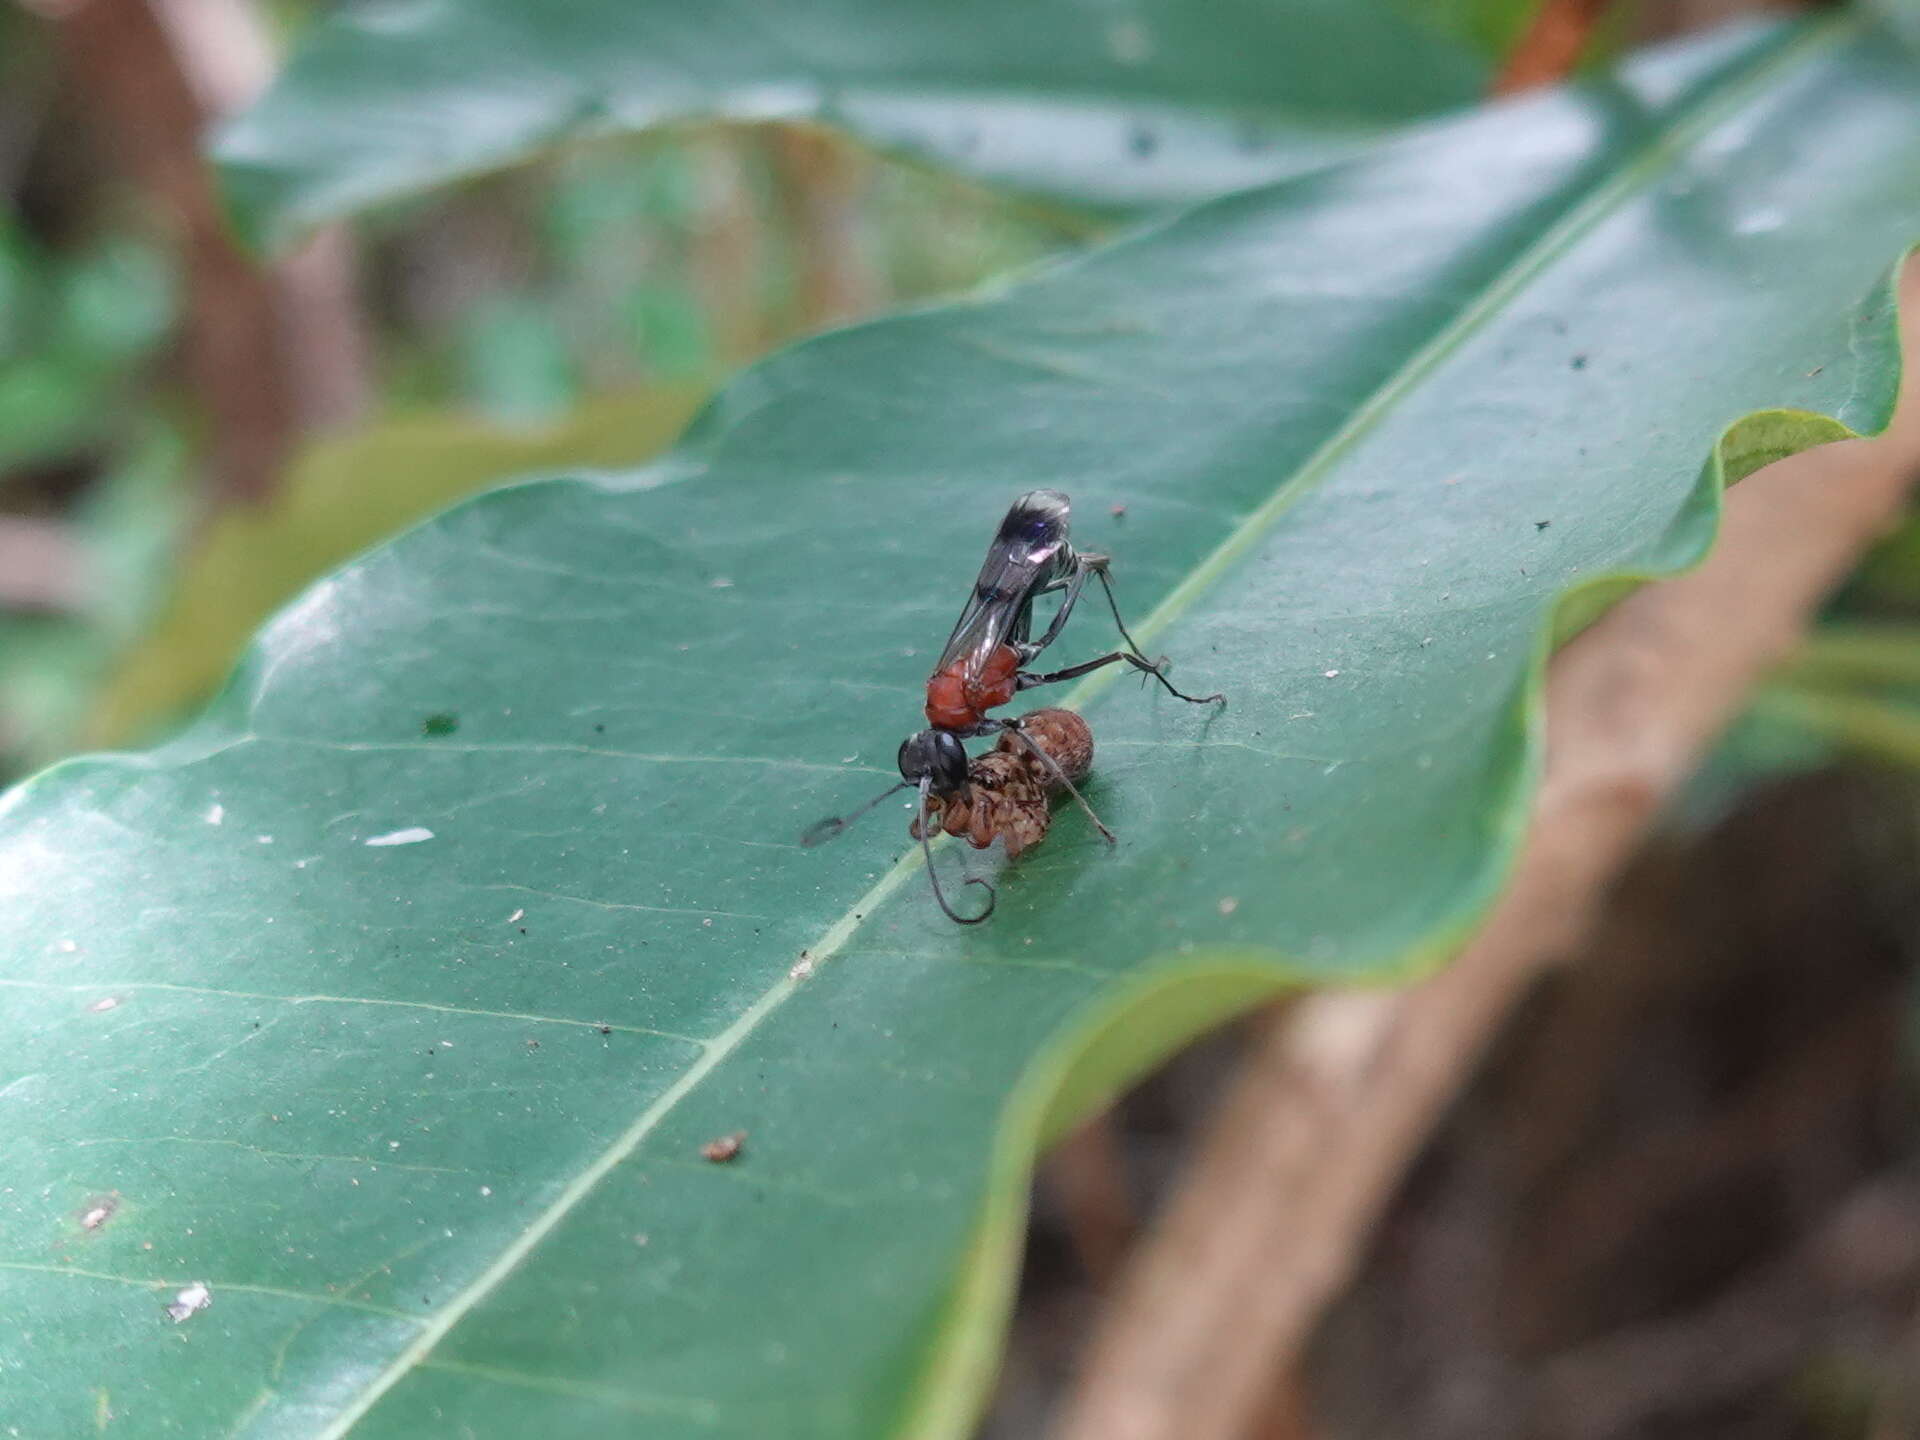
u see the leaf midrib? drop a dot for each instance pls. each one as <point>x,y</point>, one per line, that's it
<point>1725,100</point>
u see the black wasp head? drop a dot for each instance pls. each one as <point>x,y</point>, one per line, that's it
<point>935,755</point>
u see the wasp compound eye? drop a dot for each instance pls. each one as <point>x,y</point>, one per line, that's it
<point>935,756</point>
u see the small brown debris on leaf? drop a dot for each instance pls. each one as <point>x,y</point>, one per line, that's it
<point>1119,512</point>
<point>726,1148</point>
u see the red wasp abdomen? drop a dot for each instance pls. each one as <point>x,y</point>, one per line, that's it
<point>955,703</point>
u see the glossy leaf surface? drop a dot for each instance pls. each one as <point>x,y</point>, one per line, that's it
<point>397,1000</point>
<point>342,495</point>
<point>1136,102</point>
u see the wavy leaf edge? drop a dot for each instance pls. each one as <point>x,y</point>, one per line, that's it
<point>1084,1068</point>
<point>1090,1061</point>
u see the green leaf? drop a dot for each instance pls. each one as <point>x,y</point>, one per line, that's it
<point>341,496</point>
<point>1852,689</point>
<point>426,1117</point>
<point>1144,102</point>
<point>73,333</point>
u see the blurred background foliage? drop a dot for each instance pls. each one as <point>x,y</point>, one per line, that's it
<point>574,311</point>
<point>570,312</point>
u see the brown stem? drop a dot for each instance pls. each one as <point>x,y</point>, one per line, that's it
<point>123,59</point>
<point>1340,1092</point>
<point>1086,1172</point>
<point>1552,45</point>
<point>227,58</point>
<point>157,72</point>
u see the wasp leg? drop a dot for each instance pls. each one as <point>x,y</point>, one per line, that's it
<point>1096,565</point>
<point>1026,680</point>
<point>1099,567</point>
<point>1012,727</point>
<point>1084,565</point>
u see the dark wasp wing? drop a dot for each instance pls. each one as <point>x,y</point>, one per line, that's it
<point>1029,550</point>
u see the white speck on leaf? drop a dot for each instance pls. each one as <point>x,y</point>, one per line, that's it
<point>720,582</point>
<point>190,1301</point>
<point>1228,905</point>
<point>67,947</point>
<point>216,812</point>
<point>98,1212</point>
<point>1330,673</point>
<point>511,919</point>
<point>412,835</point>
<point>104,1004</point>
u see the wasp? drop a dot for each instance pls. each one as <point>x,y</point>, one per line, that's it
<point>985,664</point>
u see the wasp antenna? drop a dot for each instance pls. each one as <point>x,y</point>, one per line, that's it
<point>933,879</point>
<point>823,830</point>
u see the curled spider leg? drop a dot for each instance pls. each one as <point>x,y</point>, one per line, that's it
<point>1012,727</point>
<point>933,878</point>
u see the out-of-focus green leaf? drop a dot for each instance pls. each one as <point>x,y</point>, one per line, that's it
<point>396,1000</point>
<point>1852,689</point>
<point>517,369</point>
<point>342,496</point>
<point>1124,103</point>
<point>116,302</point>
<point>671,331</point>
<point>74,332</point>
